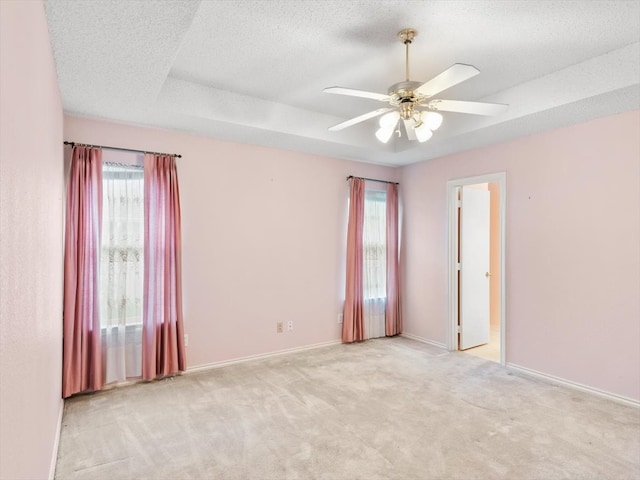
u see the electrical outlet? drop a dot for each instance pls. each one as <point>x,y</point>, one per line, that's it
<point>186,339</point>
<point>279,327</point>
<point>340,317</point>
<point>290,326</point>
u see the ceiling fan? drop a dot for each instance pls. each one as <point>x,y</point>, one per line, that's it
<point>413,102</point>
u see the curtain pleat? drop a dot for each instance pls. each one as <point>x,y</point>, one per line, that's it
<point>162,330</point>
<point>353,316</point>
<point>393,317</point>
<point>82,356</point>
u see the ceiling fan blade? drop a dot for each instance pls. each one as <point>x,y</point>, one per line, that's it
<point>357,93</point>
<point>475,108</point>
<point>359,119</point>
<point>408,126</point>
<point>453,75</point>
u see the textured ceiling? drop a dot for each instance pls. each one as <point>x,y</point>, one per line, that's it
<point>253,71</point>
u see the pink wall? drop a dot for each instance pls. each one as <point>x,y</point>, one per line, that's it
<point>263,238</point>
<point>573,255</point>
<point>31,233</point>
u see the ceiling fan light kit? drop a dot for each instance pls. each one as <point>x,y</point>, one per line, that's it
<point>433,120</point>
<point>423,133</point>
<point>384,134</point>
<point>412,101</point>
<point>388,123</point>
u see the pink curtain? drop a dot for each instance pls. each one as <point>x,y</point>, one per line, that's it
<point>393,314</point>
<point>162,328</point>
<point>353,318</point>
<point>82,356</point>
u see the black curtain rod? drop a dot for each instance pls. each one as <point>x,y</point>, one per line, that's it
<point>121,149</point>
<point>371,179</point>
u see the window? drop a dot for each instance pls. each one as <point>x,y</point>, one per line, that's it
<point>121,269</point>
<point>374,268</point>
<point>125,296</point>
<point>122,250</point>
<point>375,245</point>
<point>372,289</point>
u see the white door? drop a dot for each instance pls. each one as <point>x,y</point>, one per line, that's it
<point>474,267</point>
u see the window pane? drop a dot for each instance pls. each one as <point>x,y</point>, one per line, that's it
<point>122,253</point>
<point>375,245</point>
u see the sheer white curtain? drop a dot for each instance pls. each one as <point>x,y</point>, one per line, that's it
<point>374,262</point>
<point>121,271</point>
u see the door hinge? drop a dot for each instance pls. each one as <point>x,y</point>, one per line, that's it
<point>458,329</point>
<point>458,266</point>
<point>459,203</point>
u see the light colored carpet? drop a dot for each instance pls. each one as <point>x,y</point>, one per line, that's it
<point>382,409</point>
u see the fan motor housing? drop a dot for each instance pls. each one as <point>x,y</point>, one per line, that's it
<point>403,92</point>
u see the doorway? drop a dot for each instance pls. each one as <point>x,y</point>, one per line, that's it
<point>476,261</point>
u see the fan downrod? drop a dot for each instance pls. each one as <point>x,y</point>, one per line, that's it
<point>406,36</point>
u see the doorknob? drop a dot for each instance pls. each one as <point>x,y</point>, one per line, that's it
<point>487,274</point>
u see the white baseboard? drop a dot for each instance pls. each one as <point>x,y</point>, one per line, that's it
<point>574,385</point>
<point>224,363</point>
<point>56,443</point>
<point>424,340</point>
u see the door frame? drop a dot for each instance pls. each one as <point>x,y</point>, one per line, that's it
<point>452,256</point>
